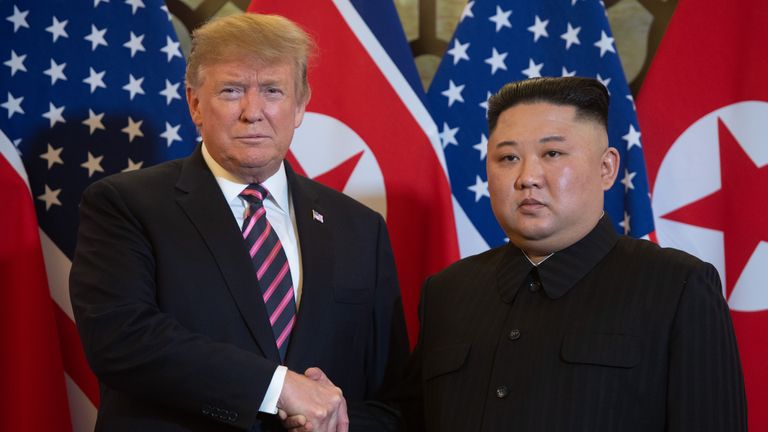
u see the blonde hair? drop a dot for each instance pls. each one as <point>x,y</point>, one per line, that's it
<point>267,39</point>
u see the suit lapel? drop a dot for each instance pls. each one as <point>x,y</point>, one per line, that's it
<point>202,201</point>
<point>316,244</point>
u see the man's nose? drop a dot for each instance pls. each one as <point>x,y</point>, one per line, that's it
<point>530,175</point>
<point>251,106</point>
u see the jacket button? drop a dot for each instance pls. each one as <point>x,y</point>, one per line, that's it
<point>514,334</point>
<point>502,391</point>
<point>534,286</point>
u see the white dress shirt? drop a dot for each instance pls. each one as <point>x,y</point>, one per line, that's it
<point>280,214</point>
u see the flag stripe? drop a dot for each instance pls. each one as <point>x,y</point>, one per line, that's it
<point>396,79</point>
<point>75,363</point>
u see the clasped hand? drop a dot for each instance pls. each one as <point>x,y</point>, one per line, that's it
<point>311,402</point>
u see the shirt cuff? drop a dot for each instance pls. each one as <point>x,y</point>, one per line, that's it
<point>269,404</point>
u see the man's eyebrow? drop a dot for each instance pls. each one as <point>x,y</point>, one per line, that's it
<point>546,139</point>
<point>552,138</point>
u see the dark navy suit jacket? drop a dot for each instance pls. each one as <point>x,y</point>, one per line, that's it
<point>170,315</point>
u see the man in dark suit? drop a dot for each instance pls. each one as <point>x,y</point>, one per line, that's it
<point>204,288</point>
<point>570,327</point>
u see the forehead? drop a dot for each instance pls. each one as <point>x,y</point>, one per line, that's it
<point>534,121</point>
<point>248,70</point>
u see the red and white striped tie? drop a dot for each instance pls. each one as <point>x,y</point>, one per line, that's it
<point>271,266</point>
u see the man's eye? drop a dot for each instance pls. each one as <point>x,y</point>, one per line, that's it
<point>509,158</point>
<point>553,153</point>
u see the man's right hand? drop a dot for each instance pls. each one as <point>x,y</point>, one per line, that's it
<point>315,400</point>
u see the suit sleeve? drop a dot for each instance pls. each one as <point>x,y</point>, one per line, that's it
<point>706,388</point>
<point>135,348</point>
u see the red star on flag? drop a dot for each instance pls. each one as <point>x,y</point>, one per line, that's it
<point>735,209</point>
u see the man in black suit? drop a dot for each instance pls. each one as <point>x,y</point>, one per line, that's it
<point>203,288</point>
<point>570,327</point>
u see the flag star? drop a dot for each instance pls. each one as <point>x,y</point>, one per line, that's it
<point>467,12</point>
<point>632,137</point>
<point>135,44</point>
<point>480,188</point>
<point>96,37</point>
<point>56,72</point>
<point>54,114</point>
<point>57,29</point>
<point>482,146</point>
<point>625,223</point>
<point>453,93</point>
<point>19,19</point>
<point>133,166</point>
<point>605,44</point>
<point>496,61</point>
<point>94,121</point>
<point>484,104</point>
<point>164,8</point>
<point>170,92</point>
<point>501,19</point>
<point>133,129</point>
<point>171,49</point>
<point>95,79</point>
<point>16,63</point>
<point>533,70</point>
<point>13,105</point>
<point>567,73</point>
<point>50,197</point>
<point>134,86</point>
<point>539,28</point>
<point>53,156</point>
<point>459,51</point>
<point>135,5</point>
<point>171,134</point>
<point>632,100</point>
<point>448,135</point>
<point>96,2</point>
<point>627,180</point>
<point>605,82</point>
<point>571,36</point>
<point>93,164</point>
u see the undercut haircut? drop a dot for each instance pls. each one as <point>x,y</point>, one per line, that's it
<point>587,95</point>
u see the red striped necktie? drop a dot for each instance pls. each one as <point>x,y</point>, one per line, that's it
<point>271,266</point>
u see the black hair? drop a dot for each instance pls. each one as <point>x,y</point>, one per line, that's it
<point>587,95</point>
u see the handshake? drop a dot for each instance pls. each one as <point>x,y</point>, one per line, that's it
<point>311,402</point>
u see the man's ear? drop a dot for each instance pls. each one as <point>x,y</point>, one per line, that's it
<point>609,167</point>
<point>193,102</point>
<point>301,108</point>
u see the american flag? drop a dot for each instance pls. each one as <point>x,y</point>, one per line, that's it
<point>87,90</point>
<point>498,42</point>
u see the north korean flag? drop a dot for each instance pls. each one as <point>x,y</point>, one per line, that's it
<point>367,133</point>
<point>703,110</point>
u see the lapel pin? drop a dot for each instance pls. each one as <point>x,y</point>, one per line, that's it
<point>317,216</point>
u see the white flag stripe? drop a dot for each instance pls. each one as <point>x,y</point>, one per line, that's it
<point>57,266</point>
<point>80,408</point>
<point>8,150</point>
<point>470,240</point>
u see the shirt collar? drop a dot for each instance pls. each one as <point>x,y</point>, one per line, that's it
<point>563,270</point>
<point>277,184</point>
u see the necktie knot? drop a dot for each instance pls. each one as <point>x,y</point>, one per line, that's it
<point>254,193</point>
